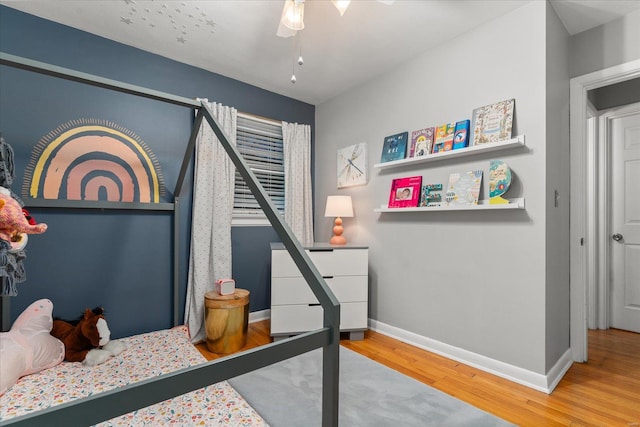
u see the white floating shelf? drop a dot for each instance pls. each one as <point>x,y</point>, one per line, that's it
<point>518,141</point>
<point>481,206</point>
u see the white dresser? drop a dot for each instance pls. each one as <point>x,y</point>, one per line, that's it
<point>295,309</point>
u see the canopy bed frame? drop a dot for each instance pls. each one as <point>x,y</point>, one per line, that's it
<point>107,405</point>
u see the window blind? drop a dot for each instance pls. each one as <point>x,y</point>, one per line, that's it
<point>260,143</point>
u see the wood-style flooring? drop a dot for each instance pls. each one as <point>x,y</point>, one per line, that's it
<point>605,391</point>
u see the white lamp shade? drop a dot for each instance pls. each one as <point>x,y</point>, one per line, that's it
<point>341,5</point>
<point>339,206</point>
<point>293,15</point>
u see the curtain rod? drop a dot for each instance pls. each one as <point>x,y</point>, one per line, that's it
<point>260,118</point>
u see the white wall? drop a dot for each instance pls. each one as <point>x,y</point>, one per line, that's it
<point>557,179</point>
<point>473,280</point>
<point>607,45</point>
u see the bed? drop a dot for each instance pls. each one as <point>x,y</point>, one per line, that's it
<point>121,396</point>
<point>146,355</point>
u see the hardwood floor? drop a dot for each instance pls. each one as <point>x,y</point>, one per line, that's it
<point>605,391</point>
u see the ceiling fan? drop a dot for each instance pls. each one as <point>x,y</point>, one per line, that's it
<point>292,19</point>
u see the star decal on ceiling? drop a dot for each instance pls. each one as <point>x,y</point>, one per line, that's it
<point>180,19</point>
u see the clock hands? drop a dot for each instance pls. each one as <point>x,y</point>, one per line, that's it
<point>357,168</point>
<point>351,172</point>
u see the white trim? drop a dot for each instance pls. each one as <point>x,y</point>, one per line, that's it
<point>601,233</point>
<point>257,316</point>
<point>604,231</point>
<point>536,381</point>
<point>592,192</point>
<point>558,370</point>
<point>578,88</point>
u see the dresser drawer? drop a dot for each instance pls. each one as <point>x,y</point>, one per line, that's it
<point>329,262</point>
<point>291,319</point>
<point>295,290</point>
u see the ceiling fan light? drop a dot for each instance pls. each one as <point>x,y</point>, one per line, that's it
<point>293,15</point>
<point>341,5</point>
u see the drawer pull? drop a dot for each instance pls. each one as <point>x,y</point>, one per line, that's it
<point>327,277</point>
<point>314,305</point>
<point>321,250</point>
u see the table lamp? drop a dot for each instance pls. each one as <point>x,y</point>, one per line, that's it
<point>338,207</point>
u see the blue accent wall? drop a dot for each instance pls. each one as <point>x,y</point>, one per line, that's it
<point>120,260</point>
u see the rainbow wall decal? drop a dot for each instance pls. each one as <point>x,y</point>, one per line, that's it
<point>90,159</point>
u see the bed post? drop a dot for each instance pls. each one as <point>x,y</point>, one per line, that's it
<point>5,314</point>
<point>186,160</point>
<point>331,376</point>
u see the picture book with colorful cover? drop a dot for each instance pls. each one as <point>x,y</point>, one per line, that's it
<point>421,142</point>
<point>461,135</point>
<point>430,196</point>
<point>464,188</point>
<point>405,192</point>
<point>499,182</point>
<point>492,123</point>
<point>444,138</point>
<point>395,147</point>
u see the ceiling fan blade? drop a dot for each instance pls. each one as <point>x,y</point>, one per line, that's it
<point>292,18</point>
<point>284,31</point>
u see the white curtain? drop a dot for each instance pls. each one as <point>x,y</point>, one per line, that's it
<point>297,180</point>
<point>214,177</point>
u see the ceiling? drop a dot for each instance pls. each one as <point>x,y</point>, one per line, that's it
<point>237,38</point>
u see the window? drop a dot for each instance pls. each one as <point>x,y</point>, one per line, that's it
<point>260,143</point>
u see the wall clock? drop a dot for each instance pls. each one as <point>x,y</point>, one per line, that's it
<point>352,165</point>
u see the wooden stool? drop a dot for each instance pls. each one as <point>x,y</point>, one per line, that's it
<point>226,320</point>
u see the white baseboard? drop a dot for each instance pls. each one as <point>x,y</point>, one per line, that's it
<point>257,316</point>
<point>558,370</point>
<point>544,383</point>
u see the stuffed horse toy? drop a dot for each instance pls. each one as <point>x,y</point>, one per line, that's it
<point>87,340</point>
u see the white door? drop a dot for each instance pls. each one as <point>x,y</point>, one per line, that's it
<point>625,221</point>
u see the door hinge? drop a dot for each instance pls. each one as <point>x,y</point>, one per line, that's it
<point>582,241</point>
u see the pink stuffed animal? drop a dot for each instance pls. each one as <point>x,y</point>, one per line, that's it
<point>29,347</point>
<point>14,225</point>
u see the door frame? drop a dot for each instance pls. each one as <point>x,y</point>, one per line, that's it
<point>583,242</point>
<point>606,249</point>
<point>599,225</point>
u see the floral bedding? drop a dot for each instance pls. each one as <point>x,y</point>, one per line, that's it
<point>147,355</point>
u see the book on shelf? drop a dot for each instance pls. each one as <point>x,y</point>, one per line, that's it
<point>421,142</point>
<point>499,181</point>
<point>429,197</point>
<point>461,134</point>
<point>394,147</point>
<point>405,192</point>
<point>464,188</point>
<point>444,138</point>
<point>492,123</point>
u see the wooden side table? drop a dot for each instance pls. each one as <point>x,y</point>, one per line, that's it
<point>226,321</point>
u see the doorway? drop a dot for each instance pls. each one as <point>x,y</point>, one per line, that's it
<point>584,212</point>
<point>613,270</point>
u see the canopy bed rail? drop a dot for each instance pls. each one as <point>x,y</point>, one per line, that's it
<point>107,405</point>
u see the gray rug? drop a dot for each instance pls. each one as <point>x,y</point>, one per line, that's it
<point>288,394</point>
